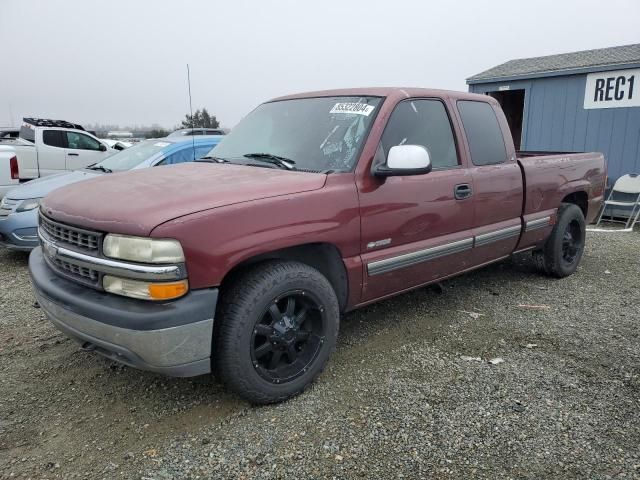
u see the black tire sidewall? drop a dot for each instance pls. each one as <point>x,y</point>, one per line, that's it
<point>272,281</point>
<point>555,263</point>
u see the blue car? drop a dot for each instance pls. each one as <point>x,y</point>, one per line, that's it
<point>19,207</point>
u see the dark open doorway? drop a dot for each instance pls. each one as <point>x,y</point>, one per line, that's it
<point>512,102</point>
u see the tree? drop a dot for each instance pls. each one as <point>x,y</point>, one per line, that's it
<point>201,119</point>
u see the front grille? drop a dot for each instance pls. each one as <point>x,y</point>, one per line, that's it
<point>77,271</point>
<point>7,206</point>
<point>65,234</point>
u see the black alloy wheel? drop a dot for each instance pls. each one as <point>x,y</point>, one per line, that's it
<point>288,336</point>
<point>564,247</point>
<point>572,242</point>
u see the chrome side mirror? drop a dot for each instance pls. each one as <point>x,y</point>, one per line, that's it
<point>405,160</point>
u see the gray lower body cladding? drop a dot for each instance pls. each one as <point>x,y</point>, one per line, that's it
<point>173,338</point>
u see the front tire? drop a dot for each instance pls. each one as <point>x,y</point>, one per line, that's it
<point>275,329</point>
<point>563,250</point>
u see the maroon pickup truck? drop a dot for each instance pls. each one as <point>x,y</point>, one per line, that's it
<point>314,205</point>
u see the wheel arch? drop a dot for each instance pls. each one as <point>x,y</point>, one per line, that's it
<point>324,257</point>
<point>579,198</point>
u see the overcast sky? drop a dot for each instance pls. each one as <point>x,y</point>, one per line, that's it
<point>124,62</point>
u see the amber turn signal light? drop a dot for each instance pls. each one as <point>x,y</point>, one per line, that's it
<point>168,291</point>
<point>145,290</point>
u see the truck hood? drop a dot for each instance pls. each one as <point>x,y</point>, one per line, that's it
<point>40,187</point>
<point>135,202</point>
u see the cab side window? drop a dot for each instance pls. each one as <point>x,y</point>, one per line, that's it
<point>483,132</point>
<point>426,123</point>
<point>80,141</point>
<point>54,138</point>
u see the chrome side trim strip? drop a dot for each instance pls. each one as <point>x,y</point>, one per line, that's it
<point>497,235</point>
<point>537,223</point>
<point>113,267</point>
<point>413,258</point>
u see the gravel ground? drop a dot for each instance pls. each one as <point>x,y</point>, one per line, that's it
<point>410,391</point>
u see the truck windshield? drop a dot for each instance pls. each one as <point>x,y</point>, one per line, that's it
<point>133,156</point>
<point>317,134</point>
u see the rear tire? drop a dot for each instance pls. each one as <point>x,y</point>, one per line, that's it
<point>563,250</point>
<point>276,327</point>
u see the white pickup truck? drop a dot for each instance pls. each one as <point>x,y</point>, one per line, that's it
<point>45,147</point>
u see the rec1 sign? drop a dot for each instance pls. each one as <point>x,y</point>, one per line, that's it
<point>613,89</point>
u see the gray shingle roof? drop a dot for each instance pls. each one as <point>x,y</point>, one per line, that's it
<point>565,61</point>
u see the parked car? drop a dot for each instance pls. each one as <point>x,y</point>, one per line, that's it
<point>8,169</point>
<point>8,133</point>
<point>18,209</point>
<point>197,131</point>
<point>315,204</point>
<point>116,144</point>
<point>46,147</point>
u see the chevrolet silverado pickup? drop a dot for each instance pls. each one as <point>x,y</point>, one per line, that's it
<point>315,204</point>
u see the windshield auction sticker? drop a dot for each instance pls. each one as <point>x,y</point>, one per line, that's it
<point>357,108</point>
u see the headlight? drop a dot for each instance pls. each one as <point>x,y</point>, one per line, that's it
<point>145,290</point>
<point>142,249</point>
<point>28,204</point>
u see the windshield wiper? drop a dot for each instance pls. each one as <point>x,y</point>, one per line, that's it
<point>210,159</point>
<point>99,167</point>
<point>282,162</point>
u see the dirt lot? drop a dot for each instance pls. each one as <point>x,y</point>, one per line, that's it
<point>403,394</point>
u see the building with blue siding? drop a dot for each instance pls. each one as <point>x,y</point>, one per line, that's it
<point>572,102</point>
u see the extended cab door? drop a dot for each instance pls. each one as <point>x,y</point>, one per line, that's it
<point>497,180</point>
<point>83,150</point>
<point>51,152</point>
<point>416,229</point>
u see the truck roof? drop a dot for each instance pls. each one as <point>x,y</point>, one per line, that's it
<point>400,92</point>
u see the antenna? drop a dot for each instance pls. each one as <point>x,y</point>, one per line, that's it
<point>193,138</point>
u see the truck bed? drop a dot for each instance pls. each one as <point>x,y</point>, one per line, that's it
<point>551,177</point>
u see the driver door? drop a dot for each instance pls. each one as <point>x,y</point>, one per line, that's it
<point>416,229</point>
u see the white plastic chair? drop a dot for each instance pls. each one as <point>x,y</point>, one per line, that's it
<point>629,186</point>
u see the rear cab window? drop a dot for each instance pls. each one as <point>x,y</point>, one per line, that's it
<point>28,134</point>
<point>483,132</point>
<point>54,138</point>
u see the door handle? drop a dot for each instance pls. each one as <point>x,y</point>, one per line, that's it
<point>72,154</point>
<point>462,191</point>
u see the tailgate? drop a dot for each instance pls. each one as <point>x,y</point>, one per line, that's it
<point>27,161</point>
<point>6,182</point>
